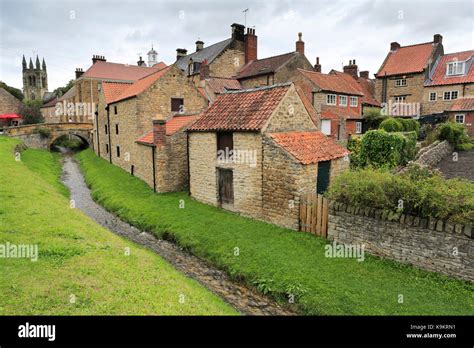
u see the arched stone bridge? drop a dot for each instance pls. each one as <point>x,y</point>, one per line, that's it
<point>42,135</point>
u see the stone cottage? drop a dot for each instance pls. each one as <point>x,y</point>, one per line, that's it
<point>125,119</point>
<point>255,151</point>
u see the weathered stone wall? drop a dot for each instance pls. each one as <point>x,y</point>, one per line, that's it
<point>258,81</point>
<point>413,90</point>
<point>9,104</point>
<point>426,243</point>
<point>440,105</point>
<point>228,63</point>
<point>432,154</point>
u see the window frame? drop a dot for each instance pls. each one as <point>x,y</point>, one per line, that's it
<point>463,118</point>
<point>450,94</point>
<point>345,98</point>
<point>456,65</point>
<point>220,141</point>
<point>179,107</point>
<point>358,127</point>
<point>356,101</point>
<point>402,82</point>
<point>327,99</point>
<point>435,96</point>
<point>401,96</point>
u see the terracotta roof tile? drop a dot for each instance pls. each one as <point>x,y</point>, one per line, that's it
<point>463,104</point>
<point>331,82</point>
<point>112,90</point>
<point>116,71</point>
<point>337,112</point>
<point>406,59</point>
<point>309,147</point>
<point>439,76</point>
<point>265,65</point>
<point>245,110</point>
<point>174,125</point>
<point>364,86</point>
<point>147,138</point>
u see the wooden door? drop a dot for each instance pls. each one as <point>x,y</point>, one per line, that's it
<point>226,186</point>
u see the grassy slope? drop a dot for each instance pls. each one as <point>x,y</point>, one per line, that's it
<point>77,256</point>
<point>283,260</point>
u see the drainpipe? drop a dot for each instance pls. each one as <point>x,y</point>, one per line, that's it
<point>153,161</point>
<point>187,163</point>
<point>108,131</point>
<point>97,132</point>
<point>384,88</point>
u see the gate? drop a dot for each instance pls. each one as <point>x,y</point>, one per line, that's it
<point>314,214</point>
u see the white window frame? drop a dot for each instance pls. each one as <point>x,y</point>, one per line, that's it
<point>435,96</point>
<point>450,95</point>
<point>358,127</point>
<point>329,96</point>
<point>460,115</point>
<point>404,97</point>
<point>401,82</point>
<point>342,97</point>
<point>458,68</point>
<point>354,101</point>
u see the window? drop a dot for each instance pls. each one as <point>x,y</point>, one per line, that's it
<point>106,130</point>
<point>116,129</point>
<point>459,118</point>
<point>343,100</point>
<point>400,82</point>
<point>118,151</point>
<point>107,148</point>
<point>455,68</point>
<point>432,96</point>
<point>354,101</point>
<point>115,109</point>
<point>400,99</point>
<point>225,142</point>
<point>331,99</point>
<point>177,105</point>
<point>450,95</point>
<point>326,127</point>
<point>358,127</point>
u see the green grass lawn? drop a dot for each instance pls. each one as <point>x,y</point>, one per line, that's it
<point>82,268</point>
<point>277,260</point>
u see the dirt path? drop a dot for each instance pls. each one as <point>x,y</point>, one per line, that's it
<point>245,300</point>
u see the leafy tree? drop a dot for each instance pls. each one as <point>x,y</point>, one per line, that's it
<point>392,125</point>
<point>373,117</point>
<point>12,90</point>
<point>31,112</point>
<point>61,90</point>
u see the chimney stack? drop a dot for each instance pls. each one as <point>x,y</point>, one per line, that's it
<point>351,69</point>
<point>204,70</point>
<point>159,131</point>
<point>364,74</point>
<point>317,66</point>
<point>250,45</point>
<point>199,45</point>
<point>141,62</point>
<point>79,72</point>
<point>97,58</point>
<point>300,44</point>
<point>437,38</point>
<point>394,46</point>
<point>181,52</point>
<point>238,31</point>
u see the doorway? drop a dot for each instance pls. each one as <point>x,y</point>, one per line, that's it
<point>226,186</point>
<point>324,168</point>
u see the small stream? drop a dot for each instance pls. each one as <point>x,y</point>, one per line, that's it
<point>243,299</point>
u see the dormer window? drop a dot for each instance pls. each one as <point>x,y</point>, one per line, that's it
<point>455,68</point>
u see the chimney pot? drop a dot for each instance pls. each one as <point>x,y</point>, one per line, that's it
<point>300,44</point>
<point>250,45</point>
<point>351,69</point>
<point>437,38</point>
<point>364,74</point>
<point>79,72</point>
<point>181,52</point>
<point>394,46</point>
<point>317,66</point>
<point>199,45</point>
<point>238,31</point>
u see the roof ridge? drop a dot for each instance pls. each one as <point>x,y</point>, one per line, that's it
<point>278,55</point>
<point>449,54</point>
<point>205,48</point>
<point>418,44</point>
<point>256,89</point>
<point>154,72</point>
<point>124,64</point>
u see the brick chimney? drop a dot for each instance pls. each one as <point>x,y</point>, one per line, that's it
<point>181,52</point>
<point>364,74</point>
<point>141,62</point>
<point>204,70</point>
<point>238,31</point>
<point>351,69</point>
<point>97,58</point>
<point>394,46</point>
<point>437,38</point>
<point>79,72</point>
<point>199,45</point>
<point>317,66</point>
<point>159,131</point>
<point>250,45</point>
<point>300,44</point>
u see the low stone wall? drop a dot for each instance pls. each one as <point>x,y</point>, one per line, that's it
<point>430,244</point>
<point>432,154</point>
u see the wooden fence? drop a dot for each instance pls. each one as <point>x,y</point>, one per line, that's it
<point>314,214</point>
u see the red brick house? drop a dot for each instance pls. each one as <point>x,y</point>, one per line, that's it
<point>462,111</point>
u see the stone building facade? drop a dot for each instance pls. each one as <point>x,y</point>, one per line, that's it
<point>263,174</point>
<point>8,103</point>
<point>35,80</point>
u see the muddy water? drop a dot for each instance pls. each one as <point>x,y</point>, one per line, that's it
<point>243,299</point>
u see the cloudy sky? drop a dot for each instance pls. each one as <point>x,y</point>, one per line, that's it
<point>68,33</point>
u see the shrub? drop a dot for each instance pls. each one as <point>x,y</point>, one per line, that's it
<point>453,132</point>
<point>410,125</point>
<point>391,125</point>
<point>415,192</point>
<point>381,149</point>
<point>354,145</point>
<point>373,117</point>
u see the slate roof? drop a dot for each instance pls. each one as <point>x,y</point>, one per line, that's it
<point>245,110</point>
<point>177,123</point>
<point>463,104</point>
<point>309,147</point>
<point>406,59</point>
<point>332,82</point>
<point>439,75</point>
<point>265,65</point>
<point>210,53</point>
<point>120,72</point>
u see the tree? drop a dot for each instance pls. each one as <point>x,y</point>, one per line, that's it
<point>12,90</point>
<point>58,92</point>
<point>373,117</point>
<point>31,112</point>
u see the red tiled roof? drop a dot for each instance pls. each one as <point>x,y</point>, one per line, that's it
<point>362,85</point>
<point>140,86</point>
<point>245,110</point>
<point>336,112</point>
<point>159,65</point>
<point>116,71</point>
<point>439,76</point>
<point>331,82</point>
<point>463,104</point>
<point>220,84</point>
<point>112,90</point>
<point>172,127</point>
<point>307,104</point>
<point>309,147</point>
<point>265,65</point>
<point>406,59</point>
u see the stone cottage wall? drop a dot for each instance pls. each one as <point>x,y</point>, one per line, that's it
<point>426,243</point>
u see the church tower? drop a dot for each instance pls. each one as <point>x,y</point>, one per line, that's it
<point>35,79</point>
<point>152,57</point>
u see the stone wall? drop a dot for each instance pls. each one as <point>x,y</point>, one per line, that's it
<point>9,104</point>
<point>441,105</point>
<point>432,154</point>
<point>430,244</point>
